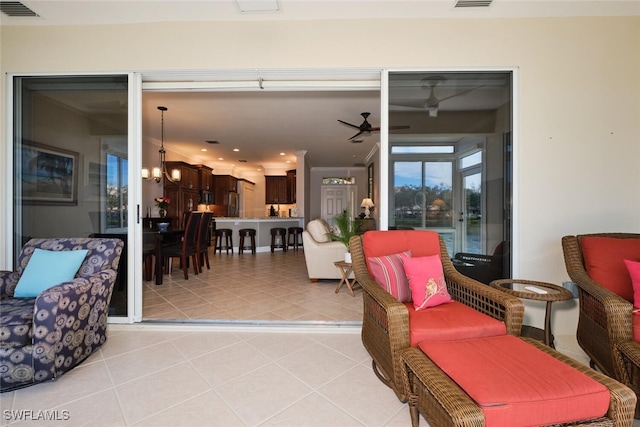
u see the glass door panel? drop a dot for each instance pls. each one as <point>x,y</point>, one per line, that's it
<point>70,162</point>
<point>448,160</point>
<point>471,217</point>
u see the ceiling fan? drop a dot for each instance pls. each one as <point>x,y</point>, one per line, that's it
<point>365,126</point>
<point>432,103</point>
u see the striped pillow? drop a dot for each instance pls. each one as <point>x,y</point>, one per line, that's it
<point>388,272</point>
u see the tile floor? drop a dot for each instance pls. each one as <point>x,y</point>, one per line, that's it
<point>188,375</point>
<point>265,286</point>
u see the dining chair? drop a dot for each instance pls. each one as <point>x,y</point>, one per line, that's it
<point>188,247</point>
<point>203,239</point>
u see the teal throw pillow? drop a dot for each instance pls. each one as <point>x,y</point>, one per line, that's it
<point>46,269</point>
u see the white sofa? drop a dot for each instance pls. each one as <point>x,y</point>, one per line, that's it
<point>320,252</point>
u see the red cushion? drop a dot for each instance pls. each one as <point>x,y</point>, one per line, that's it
<point>604,261</point>
<point>452,321</point>
<point>636,326</point>
<point>514,383</point>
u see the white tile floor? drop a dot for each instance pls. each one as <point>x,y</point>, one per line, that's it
<point>158,376</point>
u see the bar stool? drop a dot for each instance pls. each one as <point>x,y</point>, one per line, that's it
<point>247,232</point>
<point>279,238</point>
<point>224,240</point>
<point>294,237</point>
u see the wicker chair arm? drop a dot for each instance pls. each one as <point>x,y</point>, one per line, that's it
<point>389,313</point>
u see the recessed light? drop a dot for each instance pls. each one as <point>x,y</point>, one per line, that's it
<point>282,154</point>
<point>288,161</point>
<point>203,149</point>
<point>220,158</point>
<point>236,149</point>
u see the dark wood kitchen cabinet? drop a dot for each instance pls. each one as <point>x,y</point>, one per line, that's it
<point>205,178</point>
<point>275,189</point>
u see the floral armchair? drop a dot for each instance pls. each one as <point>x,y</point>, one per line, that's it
<point>43,337</point>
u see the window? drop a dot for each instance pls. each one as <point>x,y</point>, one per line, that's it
<point>117,202</point>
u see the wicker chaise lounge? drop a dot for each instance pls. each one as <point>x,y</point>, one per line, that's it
<point>442,402</point>
<point>386,327</point>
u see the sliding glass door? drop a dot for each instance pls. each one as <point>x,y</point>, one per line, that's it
<point>71,165</point>
<point>448,163</point>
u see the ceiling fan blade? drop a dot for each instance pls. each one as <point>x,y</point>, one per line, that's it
<point>348,124</point>
<point>356,135</point>
<point>460,93</point>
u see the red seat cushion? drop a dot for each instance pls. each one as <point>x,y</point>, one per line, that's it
<point>516,384</point>
<point>451,321</point>
<point>604,261</point>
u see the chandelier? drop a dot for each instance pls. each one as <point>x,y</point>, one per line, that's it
<point>161,171</point>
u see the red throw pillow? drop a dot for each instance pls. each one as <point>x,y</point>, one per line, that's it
<point>426,281</point>
<point>388,272</point>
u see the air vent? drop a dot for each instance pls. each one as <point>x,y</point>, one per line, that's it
<point>473,3</point>
<point>212,141</point>
<point>242,161</point>
<point>16,9</point>
<point>357,141</point>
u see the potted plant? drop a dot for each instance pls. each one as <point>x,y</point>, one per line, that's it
<point>344,228</point>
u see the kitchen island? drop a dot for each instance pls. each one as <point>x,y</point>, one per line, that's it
<point>262,226</point>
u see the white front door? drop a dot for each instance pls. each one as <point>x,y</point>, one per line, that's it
<point>337,198</point>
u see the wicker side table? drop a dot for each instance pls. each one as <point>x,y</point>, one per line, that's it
<point>537,291</point>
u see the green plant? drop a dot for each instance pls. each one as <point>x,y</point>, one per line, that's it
<point>346,228</point>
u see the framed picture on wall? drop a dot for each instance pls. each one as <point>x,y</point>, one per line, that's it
<point>49,175</point>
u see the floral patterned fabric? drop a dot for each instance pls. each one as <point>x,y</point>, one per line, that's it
<point>42,338</point>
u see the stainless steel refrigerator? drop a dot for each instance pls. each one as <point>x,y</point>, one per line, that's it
<point>234,204</point>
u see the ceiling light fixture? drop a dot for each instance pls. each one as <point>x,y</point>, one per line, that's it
<point>158,172</point>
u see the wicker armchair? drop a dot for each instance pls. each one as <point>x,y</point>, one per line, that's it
<point>385,324</point>
<point>605,319</point>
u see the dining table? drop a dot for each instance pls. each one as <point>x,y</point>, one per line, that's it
<point>160,238</point>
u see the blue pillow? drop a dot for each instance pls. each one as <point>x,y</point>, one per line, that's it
<point>46,269</point>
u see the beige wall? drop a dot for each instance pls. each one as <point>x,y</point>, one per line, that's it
<point>577,106</point>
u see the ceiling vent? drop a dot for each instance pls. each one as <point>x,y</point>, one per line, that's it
<point>212,141</point>
<point>473,3</point>
<point>16,9</point>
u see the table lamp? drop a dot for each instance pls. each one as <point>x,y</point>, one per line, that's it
<point>367,204</point>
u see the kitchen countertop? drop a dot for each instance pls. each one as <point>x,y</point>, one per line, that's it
<point>262,226</point>
<point>267,218</point>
